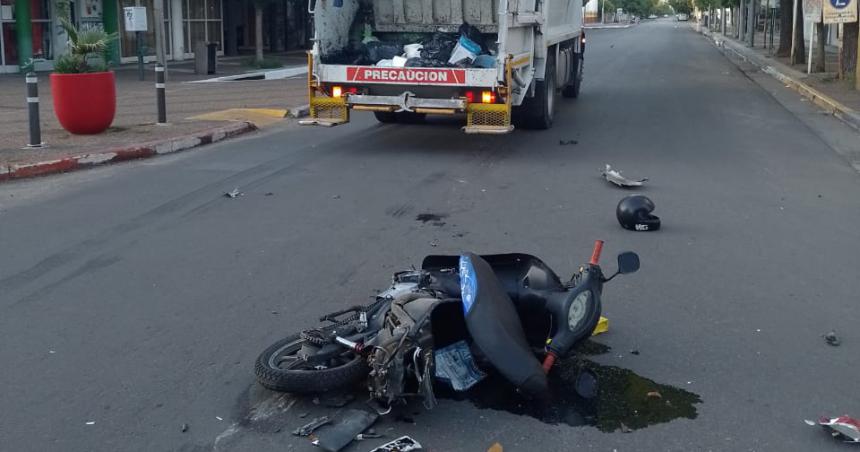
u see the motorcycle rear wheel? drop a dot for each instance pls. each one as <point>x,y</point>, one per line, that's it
<point>280,369</point>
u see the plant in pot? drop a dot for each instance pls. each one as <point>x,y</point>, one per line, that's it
<point>82,85</point>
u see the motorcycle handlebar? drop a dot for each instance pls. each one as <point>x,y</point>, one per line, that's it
<point>595,255</point>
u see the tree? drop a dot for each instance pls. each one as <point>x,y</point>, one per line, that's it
<point>681,6</point>
<point>848,54</point>
<point>258,28</point>
<point>784,49</point>
<point>799,45</point>
<point>821,31</point>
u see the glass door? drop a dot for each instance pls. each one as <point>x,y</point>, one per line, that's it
<point>201,22</point>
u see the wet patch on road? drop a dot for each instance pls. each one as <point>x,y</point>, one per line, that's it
<point>624,401</point>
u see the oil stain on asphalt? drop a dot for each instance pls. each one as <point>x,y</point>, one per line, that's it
<point>620,401</point>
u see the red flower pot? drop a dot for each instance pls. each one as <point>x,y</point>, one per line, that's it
<point>84,103</point>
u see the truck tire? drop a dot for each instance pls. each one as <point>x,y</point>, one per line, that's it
<point>572,89</point>
<point>385,117</point>
<point>538,112</point>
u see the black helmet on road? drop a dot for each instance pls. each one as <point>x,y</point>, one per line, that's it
<point>634,213</point>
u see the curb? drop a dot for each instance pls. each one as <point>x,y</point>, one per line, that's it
<point>604,27</point>
<point>842,112</point>
<point>121,154</point>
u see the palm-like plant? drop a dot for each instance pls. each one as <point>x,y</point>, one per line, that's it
<point>88,48</point>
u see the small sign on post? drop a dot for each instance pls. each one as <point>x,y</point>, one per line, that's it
<point>135,18</point>
<point>840,11</point>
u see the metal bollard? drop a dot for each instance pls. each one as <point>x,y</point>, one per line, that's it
<point>33,110</point>
<point>159,91</point>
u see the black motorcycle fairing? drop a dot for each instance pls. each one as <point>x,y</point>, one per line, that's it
<point>494,325</point>
<point>524,277</point>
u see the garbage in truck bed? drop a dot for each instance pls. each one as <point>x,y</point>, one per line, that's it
<point>466,49</point>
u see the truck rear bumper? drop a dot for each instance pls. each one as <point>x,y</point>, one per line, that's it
<point>406,102</point>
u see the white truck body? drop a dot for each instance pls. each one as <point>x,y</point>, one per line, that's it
<point>528,34</point>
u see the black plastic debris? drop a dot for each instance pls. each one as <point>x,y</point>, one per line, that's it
<point>402,444</point>
<point>344,429</point>
<point>184,428</point>
<point>309,428</point>
<point>378,50</point>
<point>568,143</point>
<point>832,339</point>
<point>586,384</point>
<point>438,48</point>
<point>845,428</point>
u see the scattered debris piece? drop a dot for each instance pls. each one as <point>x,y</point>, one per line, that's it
<point>275,312</point>
<point>316,400</point>
<point>335,197</point>
<point>344,429</point>
<point>91,422</point>
<point>434,243</point>
<point>303,415</point>
<point>496,447</point>
<point>309,428</point>
<point>832,339</point>
<point>567,142</point>
<point>184,428</point>
<point>51,352</point>
<point>402,444</point>
<point>602,326</point>
<point>625,429</point>
<point>362,436</point>
<point>616,178</point>
<point>634,352</point>
<point>843,427</point>
<point>654,395</point>
<point>455,365</point>
<point>269,194</point>
<point>235,193</point>
<point>219,418</point>
<point>337,400</point>
<point>430,217</point>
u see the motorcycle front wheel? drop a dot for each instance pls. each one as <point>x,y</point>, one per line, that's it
<point>279,368</point>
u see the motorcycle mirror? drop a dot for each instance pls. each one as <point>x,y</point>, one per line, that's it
<point>628,262</point>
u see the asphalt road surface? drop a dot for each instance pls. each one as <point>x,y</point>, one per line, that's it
<point>134,298</point>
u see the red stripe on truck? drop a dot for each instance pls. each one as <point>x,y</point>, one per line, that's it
<point>406,75</point>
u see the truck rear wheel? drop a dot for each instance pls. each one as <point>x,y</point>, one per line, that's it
<point>572,89</point>
<point>538,112</point>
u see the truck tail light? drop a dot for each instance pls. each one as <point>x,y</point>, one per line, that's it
<point>336,91</point>
<point>488,97</point>
<point>470,96</point>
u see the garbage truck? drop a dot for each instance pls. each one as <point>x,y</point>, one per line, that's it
<point>497,62</point>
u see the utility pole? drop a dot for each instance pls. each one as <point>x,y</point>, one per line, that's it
<point>158,11</point>
<point>742,22</point>
<point>603,12</point>
<point>794,33</point>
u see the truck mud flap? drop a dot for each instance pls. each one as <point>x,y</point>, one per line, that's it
<point>488,119</point>
<point>327,111</point>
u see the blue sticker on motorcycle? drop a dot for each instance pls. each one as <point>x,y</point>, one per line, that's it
<point>468,283</point>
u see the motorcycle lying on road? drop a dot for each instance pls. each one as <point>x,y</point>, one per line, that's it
<point>449,320</point>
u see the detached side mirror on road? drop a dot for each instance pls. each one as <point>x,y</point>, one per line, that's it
<point>628,262</point>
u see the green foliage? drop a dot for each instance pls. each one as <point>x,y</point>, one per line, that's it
<point>681,6</point>
<point>88,48</point>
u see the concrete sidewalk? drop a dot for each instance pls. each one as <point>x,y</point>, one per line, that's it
<point>826,90</point>
<point>198,113</point>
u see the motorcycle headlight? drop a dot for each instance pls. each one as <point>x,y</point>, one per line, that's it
<point>578,309</point>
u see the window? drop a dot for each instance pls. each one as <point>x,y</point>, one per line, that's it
<point>201,22</point>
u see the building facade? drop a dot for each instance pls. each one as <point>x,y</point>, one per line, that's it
<point>29,31</point>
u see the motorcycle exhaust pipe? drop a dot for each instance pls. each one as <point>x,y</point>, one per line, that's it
<point>357,347</point>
